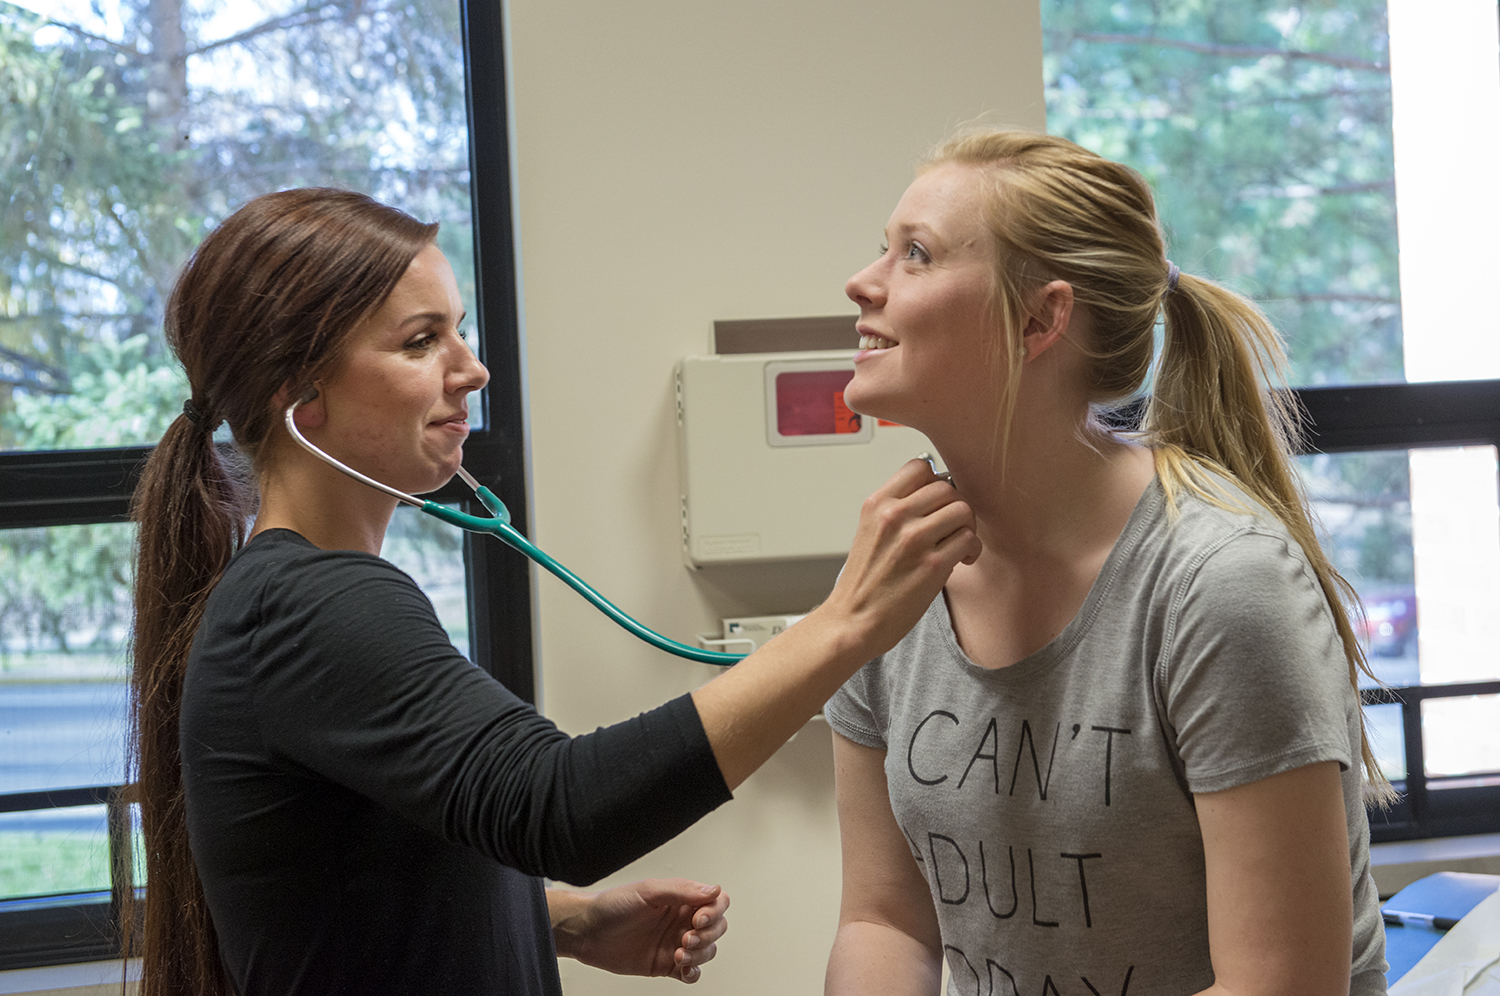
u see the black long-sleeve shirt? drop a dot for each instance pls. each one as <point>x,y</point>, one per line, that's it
<point>367,809</point>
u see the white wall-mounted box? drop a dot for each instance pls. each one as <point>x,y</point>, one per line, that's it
<point>772,465</point>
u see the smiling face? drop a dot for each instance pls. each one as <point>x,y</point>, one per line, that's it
<point>924,307</point>
<point>396,406</point>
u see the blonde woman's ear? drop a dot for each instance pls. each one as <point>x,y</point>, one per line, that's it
<point>1051,318</point>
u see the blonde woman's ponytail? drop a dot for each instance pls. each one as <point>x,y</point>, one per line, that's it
<point>1210,408</point>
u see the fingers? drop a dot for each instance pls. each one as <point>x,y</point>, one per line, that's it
<point>689,967</point>
<point>707,927</point>
<point>960,546</point>
<point>910,477</point>
<point>712,913</point>
<point>912,533</point>
<point>699,943</point>
<point>677,892</point>
<point>924,507</point>
<point>709,924</point>
<point>922,520</point>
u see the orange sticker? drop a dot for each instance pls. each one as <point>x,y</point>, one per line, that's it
<point>844,420</point>
<point>886,421</point>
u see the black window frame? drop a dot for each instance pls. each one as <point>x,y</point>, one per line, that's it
<point>1407,416</point>
<point>75,487</point>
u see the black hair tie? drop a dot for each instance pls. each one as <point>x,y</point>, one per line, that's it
<point>200,418</point>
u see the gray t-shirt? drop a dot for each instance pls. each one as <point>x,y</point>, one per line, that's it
<point>1049,804</point>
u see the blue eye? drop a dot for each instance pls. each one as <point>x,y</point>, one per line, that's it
<point>915,251</point>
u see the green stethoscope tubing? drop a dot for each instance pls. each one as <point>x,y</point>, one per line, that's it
<point>498,525</point>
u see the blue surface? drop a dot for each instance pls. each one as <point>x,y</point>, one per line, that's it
<point>1450,894</point>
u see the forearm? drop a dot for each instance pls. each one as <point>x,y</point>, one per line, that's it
<point>750,710</point>
<point>567,909</point>
<point>872,959</point>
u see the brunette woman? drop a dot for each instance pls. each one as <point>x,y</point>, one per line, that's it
<point>334,800</point>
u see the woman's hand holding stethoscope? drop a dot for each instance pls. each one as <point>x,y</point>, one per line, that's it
<point>912,533</point>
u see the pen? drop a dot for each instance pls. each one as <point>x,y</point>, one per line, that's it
<point>1418,919</point>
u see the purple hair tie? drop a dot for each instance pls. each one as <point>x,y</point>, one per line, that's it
<point>1172,274</point>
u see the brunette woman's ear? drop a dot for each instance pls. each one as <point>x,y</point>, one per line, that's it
<point>1051,314</point>
<point>310,412</point>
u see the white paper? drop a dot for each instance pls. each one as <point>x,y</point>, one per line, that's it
<point>1465,962</point>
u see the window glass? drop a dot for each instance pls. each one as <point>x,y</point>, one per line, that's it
<point>53,851</point>
<point>1417,533</point>
<point>132,128</point>
<point>1362,502</point>
<point>1458,735</point>
<point>65,616</point>
<point>432,552</point>
<point>64,697</point>
<point>1387,739</point>
<point>1264,127</point>
<point>1445,82</point>
<point>64,613</point>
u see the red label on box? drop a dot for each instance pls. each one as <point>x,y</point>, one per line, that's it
<point>811,403</point>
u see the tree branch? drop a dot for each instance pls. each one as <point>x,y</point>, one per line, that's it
<point>1308,190</point>
<point>1238,51</point>
<point>131,236</point>
<point>54,260</point>
<point>1314,298</point>
<point>1374,186</point>
<point>82,316</point>
<point>130,50</point>
<point>1299,98</point>
<point>1359,501</point>
<point>296,19</point>
<point>33,365</point>
<point>32,385</point>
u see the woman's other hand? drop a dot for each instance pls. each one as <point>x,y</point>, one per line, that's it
<point>655,927</point>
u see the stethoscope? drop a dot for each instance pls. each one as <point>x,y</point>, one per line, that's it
<point>499,525</point>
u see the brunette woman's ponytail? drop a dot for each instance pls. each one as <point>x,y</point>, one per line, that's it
<point>1059,212</point>
<point>265,303</point>
<point>191,512</point>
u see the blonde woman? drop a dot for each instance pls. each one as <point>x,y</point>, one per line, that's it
<point>1122,753</point>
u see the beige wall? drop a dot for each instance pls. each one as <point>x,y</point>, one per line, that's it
<point>680,162</point>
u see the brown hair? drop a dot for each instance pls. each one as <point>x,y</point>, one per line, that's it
<point>266,301</point>
<point>1058,211</point>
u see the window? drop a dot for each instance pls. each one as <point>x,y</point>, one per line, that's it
<point>139,127</point>
<point>1282,137</point>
